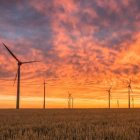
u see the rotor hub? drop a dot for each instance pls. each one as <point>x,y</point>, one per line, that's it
<point>19,63</point>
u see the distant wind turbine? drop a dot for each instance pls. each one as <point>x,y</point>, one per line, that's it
<point>129,89</point>
<point>18,74</point>
<point>72,102</point>
<point>118,103</point>
<point>69,98</point>
<point>109,96</point>
<point>132,102</point>
<point>44,83</point>
<point>68,103</point>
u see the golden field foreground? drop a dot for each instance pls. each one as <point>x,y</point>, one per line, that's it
<point>69,124</point>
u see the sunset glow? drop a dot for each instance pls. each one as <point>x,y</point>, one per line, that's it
<point>84,47</point>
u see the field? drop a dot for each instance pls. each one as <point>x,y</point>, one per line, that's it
<point>70,124</point>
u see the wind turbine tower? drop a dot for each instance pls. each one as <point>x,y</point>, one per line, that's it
<point>44,83</point>
<point>72,102</point>
<point>44,94</point>
<point>109,96</point>
<point>118,103</point>
<point>68,103</point>
<point>132,102</point>
<point>129,90</point>
<point>69,98</point>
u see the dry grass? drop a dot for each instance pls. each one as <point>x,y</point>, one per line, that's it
<point>72,124</point>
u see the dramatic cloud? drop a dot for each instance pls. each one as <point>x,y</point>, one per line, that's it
<point>85,46</point>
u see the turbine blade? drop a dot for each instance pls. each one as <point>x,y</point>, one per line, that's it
<point>15,77</point>
<point>111,87</point>
<point>129,82</point>
<point>10,52</point>
<point>131,90</point>
<point>69,95</point>
<point>30,62</point>
<point>40,86</point>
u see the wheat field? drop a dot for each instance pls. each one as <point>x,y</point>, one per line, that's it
<point>70,124</point>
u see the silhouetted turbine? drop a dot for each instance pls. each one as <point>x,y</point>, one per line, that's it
<point>132,102</point>
<point>129,89</point>
<point>118,103</point>
<point>69,98</point>
<point>72,102</point>
<point>18,74</point>
<point>68,103</point>
<point>109,96</point>
<point>44,93</point>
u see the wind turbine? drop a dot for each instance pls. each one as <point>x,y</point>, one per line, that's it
<point>72,102</point>
<point>118,103</point>
<point>18,74</point>
<point>44,83</point>
<point>132,102</point>
<point>129,89</point>
<point>68,103</point>
<point>69,98</point>
<point>109,96</point>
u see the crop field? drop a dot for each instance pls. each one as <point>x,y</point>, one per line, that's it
<point>70,124</point>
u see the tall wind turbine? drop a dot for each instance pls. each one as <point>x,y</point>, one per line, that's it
<point>18,74</point>
<point>44,83</point>
<point>129,89</point>
<point>109,96</point>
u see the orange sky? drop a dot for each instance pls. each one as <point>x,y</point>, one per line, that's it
<point>84,47</point>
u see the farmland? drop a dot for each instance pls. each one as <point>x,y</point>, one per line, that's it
<point>69,124</point>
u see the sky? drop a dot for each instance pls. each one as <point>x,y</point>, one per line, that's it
<point>84,47</point>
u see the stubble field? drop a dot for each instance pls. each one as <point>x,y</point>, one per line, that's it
<point>70,124</point>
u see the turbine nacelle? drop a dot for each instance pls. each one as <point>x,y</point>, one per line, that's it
<point>19,63</point>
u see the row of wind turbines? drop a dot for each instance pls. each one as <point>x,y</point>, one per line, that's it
<point>18,81</point>
<point>129,100</point>
<point>70,98</point>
